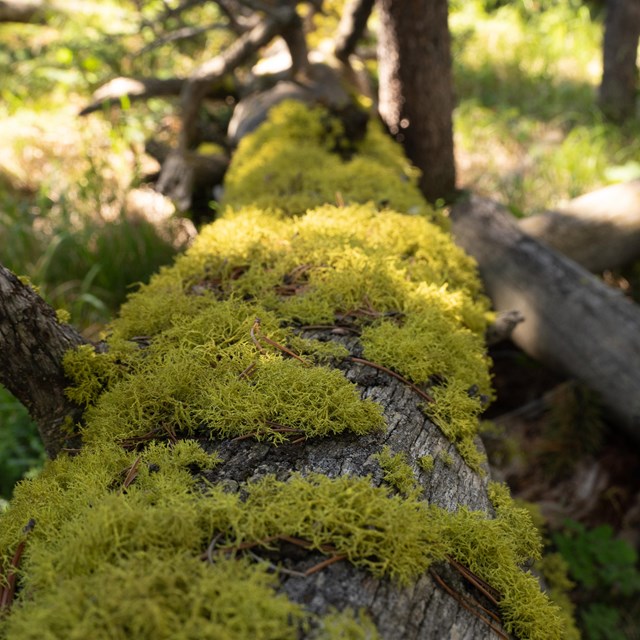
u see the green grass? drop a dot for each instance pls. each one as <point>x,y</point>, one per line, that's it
<point>528,131</point>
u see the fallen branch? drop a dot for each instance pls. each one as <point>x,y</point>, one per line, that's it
<point>573,320</point>
<point>599,230</point>
<point>119,90</point>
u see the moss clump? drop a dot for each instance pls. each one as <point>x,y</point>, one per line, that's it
<point>91,530</point>
<point>426,463</point>
<point>398,473</point>
<point>191,600</point>
<point>347,625</point>
<point>289,165</point>
<point>397,280</point>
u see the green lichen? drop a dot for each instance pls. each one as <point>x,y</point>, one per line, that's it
<point>90,530</point>
<point>397,472</point>
<point>446,458</point>
<point>187,357</point>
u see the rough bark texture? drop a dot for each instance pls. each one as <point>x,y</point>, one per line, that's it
<point>33,344</point>
<point>599,230</point>
<point>422,611</point>
<point>416,91</point>
<point>572,319</point>
<point>619,78</point>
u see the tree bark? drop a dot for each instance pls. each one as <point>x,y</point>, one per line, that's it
<point>599,230</point>
<point>619,78</point>
<point>33,343</point>
<point>422,611</point>
<point>416,90</point>
<point>573,321</point>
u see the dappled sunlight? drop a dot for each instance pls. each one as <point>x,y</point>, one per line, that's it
<point>527,129</point>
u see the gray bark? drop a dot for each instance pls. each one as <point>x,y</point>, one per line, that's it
<point>422,611</point>
<point>32,344</point>
<point>573,321</point>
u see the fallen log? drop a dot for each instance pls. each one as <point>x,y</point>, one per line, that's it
<point>280,439</point>
<point>573,321</point>
<point>22,10</point>
<point>599,230</point>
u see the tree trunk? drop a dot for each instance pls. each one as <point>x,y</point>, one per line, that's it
<point>619,78</point>
<point>33,343</point>
<point>416,91</point>
<point>572,319</point>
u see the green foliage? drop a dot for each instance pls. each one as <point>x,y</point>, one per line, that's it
<point>597,559</point>
<point>607,575</point>
<point>21,450</point>
<point>526,75</point>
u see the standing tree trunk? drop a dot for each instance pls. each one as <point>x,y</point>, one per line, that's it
<point>416,91</point>
<point>619,78</point>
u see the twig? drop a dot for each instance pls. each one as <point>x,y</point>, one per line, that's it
<point>420,392</point>
<point>8,591</point>
<point>484,587</point>
<point>132,473</point>
<point>256,336</point>
<point>471,607</point>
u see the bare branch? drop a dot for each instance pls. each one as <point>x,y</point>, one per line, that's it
<point>351,28</point>
<point>111,93</point>
<point>211,71</point>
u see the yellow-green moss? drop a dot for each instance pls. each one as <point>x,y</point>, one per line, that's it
<point>347,625</point>
<point>398,473</point>
<point>63,316</point>
<point>426,463</point>
<point>288,165</point>
<point>91,530</point>
<point>397,279</point>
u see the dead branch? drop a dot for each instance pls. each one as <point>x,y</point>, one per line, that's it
<point>599,230</point>
<point>573,321</point>
<point>33,340</point>
<point>113,92</point>
<point>351,28</point>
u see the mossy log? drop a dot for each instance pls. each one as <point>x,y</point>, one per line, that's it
<point>573,321</point>
<point>280,438</point>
